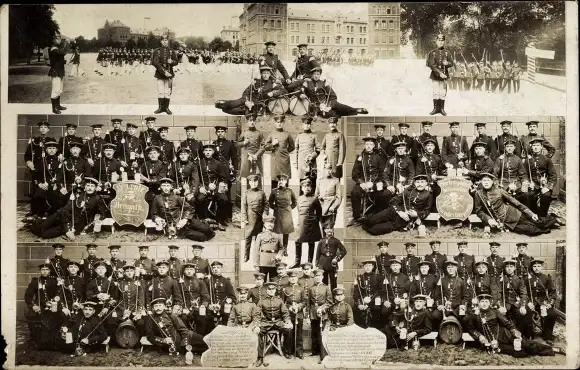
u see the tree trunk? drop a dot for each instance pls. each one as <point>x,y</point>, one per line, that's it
<point>29,55</point>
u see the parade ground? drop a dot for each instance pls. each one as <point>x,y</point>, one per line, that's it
<point>393,87</point>
<point>443,355</point>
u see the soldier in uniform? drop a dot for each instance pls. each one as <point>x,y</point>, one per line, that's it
<point>509,169</point>
<point>192,143</point>
<point>74,170</point>
<point>64,143</point>
<point>152,170</point>
<point>168,210</point>
<point>432,166</point>
<point>130,151</point>
<point>454,151</point>
<point>481,137</point>
<point>164,59</point>
<point>319,300</point>
<point>93,149</point>
<point>175,264</point>
<point>253,205</point>
<point>439,60</point>
<point>222,296</point>
<point>200,264</point>
<point>542,294</point>
<point>405,210</point>
<point>251,141</point>
<point>108,170</point>
<point>167,331</point>
<point>368,295</point>
<point>425,283</point>
<point>281,277</point>
<point>465,265</point>
<point>255,97</point>
<point>383,145</point>
<point>495,261</point>
<point>45,198</point>
<point>101,290</point>
<point>73,291</point>
<point>436,258</point>
<point>212,195</point>
<point>425,135</point>
<point>280,143</point>
<point>383,259</point>
<point>410,261</point>
<point>273,61</point>
<point>295,299</point>
<point>417,323</point>
<point>410,142</point>
<point>480,161</point>
<point>451,294</point>
<point>258,291</point>
<point>75,216</point>
<point>184,172</point>
<point>483,283</point>
<point>282,200</point>
<point>226,152</point>
<point>116,135</point>
<point>507,133</point>
<point>132,300</point>
<point>35,150</point>
<point>56,54</point>
<point>303,67</point>
<point>525,140</point>
<point>86,331</point>
<point>537,192</point>
<point>115,264</point>
<point>329,253</point>
<point>150,136</point>
<point>367,173</point>
<point>274,316</point>
<point>164,286</point>
<point>398,173</point>
<point>396,296</point>
<point>309,215</point>
<point>167,148</point>
<point>88,269</point>
<point>333,148</point>
<point>145,267</point>
<point>524,261</point>
<point>306,150</point>
<point>42,315</point>
<point>269,249</point>
<point>329,194</point>
<point>513,299</point>
<point>339,315</point>
<point>195,299</point>
<point>245,313</point>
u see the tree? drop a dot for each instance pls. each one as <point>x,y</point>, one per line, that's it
<point>195,42</point>
<point>131,44</point>
<point>141,43</point>
<point>237,45</point>
<point>152,41</point>
<point>81,43</point>
<point>226,45</point>
<point>216,44</point>
<point>30,26</point>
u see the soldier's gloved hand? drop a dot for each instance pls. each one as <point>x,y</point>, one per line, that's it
<point>535,217</point>
<point>531,306</point>
<point>362,307</point>
<point>85,341</point>
<point>413,213</point>
<point>442,75</point>
<point>492,223</point>
<point>30,165</point>
<point>502,310</point>
<point>441,307</point>
<point>36,309</point>
<point>525,188</point>
<point>523,310</point>
<point>189,196</point>
<point>274,141</point>
<point>288,80</point>
<point>158,220</point>
<point>43,186</point>
<point>91,162</point>
<point>544,190</point>
<point>256,329</point>
<point>249,104</point>
<point>512,186</point>
<point>182,223</point>
<point>387,304</point>
<point>288,325</point>
<point>124,164</point>
<point>168,341</point>
<point>211,186</point>
<point>482,339</point>
<point>403,215</point>
<point>63,191</point>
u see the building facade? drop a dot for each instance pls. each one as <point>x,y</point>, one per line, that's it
<point>384,24</point>
<point>116,31</point>
<point>264,22</point>
<point>230,34</point>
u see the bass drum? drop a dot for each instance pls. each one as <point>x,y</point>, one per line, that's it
<point>278,105</point>
<point>450,330</point>
<point>127,335</point>
<point>299,107</point>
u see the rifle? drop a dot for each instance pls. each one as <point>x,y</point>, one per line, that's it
<point>500,226</point>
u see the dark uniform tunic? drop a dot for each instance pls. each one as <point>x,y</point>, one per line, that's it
<point>64,144</point>
<point>149,137</point>
<point>57,61</point>
<point>490,148</point>
<point>159,327</point>
<point>410,265</point>
<point>411,146</point>
<point>167,151</point>
<point>175,268</point>
<point>74,291</point>
<point>273,61</point>
<point>115,136</point>
<point>369,286</point>
<point>319,92</point>
<point>280,157</point>
<point>523,267</point>
<point>452,146</point>
<point>220,289</point>
<point>36,147</point>
<point>542,173</point>
<point>256,294</point>
<point>509,168</point>
<point>384,263</point>
<point>258,93</point>
<point>213,171</point>
<point>500,141</point>
<point>82,328</point>
<point>147,264</point>
<point>160,60</point>
<point>195,147</point>
<point>294,295</point>
<point>45,324</point>
<point>184,173</point>
<point>46,170</point>
<point>485,284</point>
<point>368,167</point>
<point>399,170</point>
<point>329,249</point>
<point>438,259</point>
<point>384,148</point>
<point>479,165</point>
<point>201,265</point>
<point>227,153</point>
<point>542,291</point>
<point>195,295</point>
<point>164,287</point>
<point>512,290</point>
<point>495,265</point>
<point>73,168</point>
<point>453,290</point>
<point>282,201</point>
<point>435,60</point>
<point>93,148</point>
<point>154,171</point>
<point>548,147</point>
<point>421,141</point>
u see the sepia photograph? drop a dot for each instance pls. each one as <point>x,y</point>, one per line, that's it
<point>475,177</point>
<point>127,178</point>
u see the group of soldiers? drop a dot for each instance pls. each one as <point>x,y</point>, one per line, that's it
<point>74,306</point>
<point>396,181</point>
<point>72,179</point>
<point>123,61</point>
<point>366,60</point>
<point>276,92</point>
<point>494,299</point>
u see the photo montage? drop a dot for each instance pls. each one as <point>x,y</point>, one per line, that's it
<point>290,185</point>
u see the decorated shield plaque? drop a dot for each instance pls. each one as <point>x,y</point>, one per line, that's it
<point>129,206</point>
<point>454,202</point>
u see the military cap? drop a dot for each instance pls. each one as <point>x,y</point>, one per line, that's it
<point>307,120</point>
<point>152,147</point>
<point>292,273</point>
<point>44,265</point>
<point>481,262</point>
<point>190,127</point>
<point>91,245</point>
<point>217,128</point>
<point>487,174</point>
<point>91,180</point>
<point>463,242</point>
<point>394,260</point>
<point>429,141</point>
<point>497,244</point>
<point>521,244</point>
<point>537,140</point>
<point>43,123</point>
<point>116,120</point>
<point>114,246</point>
<point>280,117</point>
<point>426,123</point>
<point>242,289</point>
<point>316,67</point>
<point>150,119</point>
<point>306,182</point>
<point>208,144</point>
<point>369,138</point>
<point>434,242</point>
<point>166,180</point>
<point>162,128</point>
<point>97,125</point>
<point>454,123</point>
<point>422,297</point>
<point>506,122</point>
<point>184,149</point>
<point>270,285</point>
<point>163,262</point>
<point>400,143</point>
<point>420,177</point>
<point>338,291</point>
<point>403,124</point>
<point>333,119</point>
<point>480,124</point>
<point>158,300</point>
<point>532,123</point>
<point>270,43</point>
<point>282,176</point>
<point>77,144</point>
<point>302,45</point>
<point>173,246</point>
<point>382,243</point>
<point>269,218</point>
<point>70,263</point>
<point>99,263</point>
<point>484,296</point>
<point>260,275</point>
<point>425,262</point>
<point>441,37</point>
<point>449,261</point>
<point>281,264</point>
<point>143,247</point>
<point>129,124</point>
<point>216,263</point>
<point>328,224</point>
<point>90,304</point>
<point>509,262</point>
<point>69,125</point>
<point>510,140</point>
<point>379,126</point>
<point>479,143</point>
<point>369,261</point>
<point>318,272</point>
<point>265,67</point>
<point>409,244</point>
<point>128,267</point>
<point>57,245</point>
<point>109,146</point>
<point>536,261</point>
<point>253,177</point>
<point>51,143</point>
<point>304,264</point>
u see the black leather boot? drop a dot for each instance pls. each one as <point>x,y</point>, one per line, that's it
<point>54,108</point>
<point>442,107</point>
<point>298,255</point>
<point>60,107</point>
<point>167,107</point>
<point>435,107</point>
<point>160,108</point>
<point>219,104</point>
<point>362,111</point>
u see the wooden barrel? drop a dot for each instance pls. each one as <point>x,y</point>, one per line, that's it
<point>127,335</point>
<point>450,330</point>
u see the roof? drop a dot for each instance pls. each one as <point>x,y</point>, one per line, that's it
<point>117,23</point>
<point>324,15</point>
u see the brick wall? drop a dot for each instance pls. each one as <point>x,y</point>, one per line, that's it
<point>27,128</point>
<point>30,255</point>
<point>358,127</point>
<point>361,250</point>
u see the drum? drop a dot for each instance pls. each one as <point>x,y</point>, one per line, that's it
<point>278,105</point>
<point>450,330</point>
<point>299,107</point>
<point>127,335</point>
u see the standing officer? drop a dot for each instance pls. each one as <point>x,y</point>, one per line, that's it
<point>269,249</point>
<point>543,298</point>
<point>226,152</point>
<point>164,59</point>
<point>480,161</point>
<point>490,148</point>
<point>410,262</point>
<point>333,148</point>
<point>525,140</point>
<point>294,296</point>
<point>495,261</point>
<point>251,141</point>
<point>439,60</point>
<point>383,145</point>
<point>167,148</point>
<point>273,61</point>
<point>306,150</point>
<point>436,258</point>
<point>368,295</point>
<point>150,136</point>
<point>319,300</point>
<point>64,142</point>
<point>35,148</point>
<point>425,135</point>
<point>145,267</point>
<point>45,199</point>
<point>257,292</point>
<point>509,170</point>
<point>192,143</point>
<point>93,149</point>
<point>221,296</point>
<point>455,150</point>
<point>58,264</point>
<point>280,143</point>
<point>500,140</point>
<point>200,264</point>
<point>116,135</point>
<point>541,179</point>
<point>129,152</point>
<point>383,259</point>
<point>329,253</point>
<point>56,55</point>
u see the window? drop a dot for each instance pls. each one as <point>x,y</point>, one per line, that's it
<point>350,51</point>
<point>376,25</point>
<point>363,51</point>
<point>294,51</point>
<point>365,29</point>
<point>391,39</point>
<point>279,38</point>
<point>292,39</point>
<point>265,24</point>
<point>374,11</point>
<point>279,24</point>
<point>376,39</point>
<point>264,37</point>
<point>272,23</point>
<point>297,26</point>
<point>322,40</point>
<point>297,39</point>
<point>384,39</point>
<point>391,24</point>
<point>291,26</point>
<point>377,53</point>
<point>391,53</point>
<point>388,10</point>
<point>384,25</point>
<point>276,10</point>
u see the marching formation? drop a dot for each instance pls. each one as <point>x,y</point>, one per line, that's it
<point>188,186</point>
<point>396,181</point>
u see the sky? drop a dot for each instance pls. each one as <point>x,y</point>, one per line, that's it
<point>184,19</point>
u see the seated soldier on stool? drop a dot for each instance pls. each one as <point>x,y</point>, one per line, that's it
<point>415,324</point>
<point>83,332</point>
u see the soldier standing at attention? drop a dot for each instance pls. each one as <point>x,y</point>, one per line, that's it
<point>333,147</point>
<point>439,60</point>
<point>251,141</point>
<point>163,60</point>
<point>329,253</point>
<point>56,55</point>
<point>280,143</point>
<point>269,249</point>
